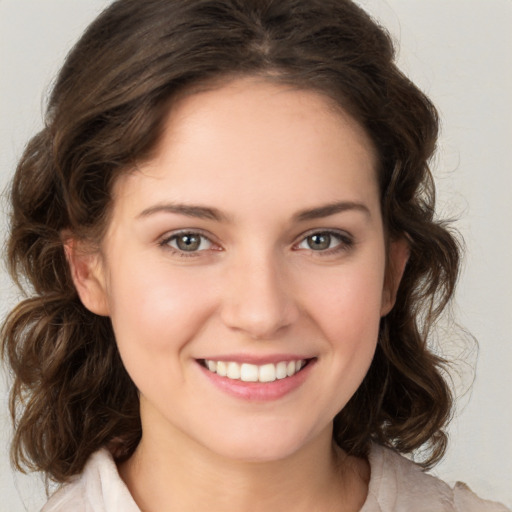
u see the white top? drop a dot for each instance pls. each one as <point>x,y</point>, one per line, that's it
<point>396,485</point>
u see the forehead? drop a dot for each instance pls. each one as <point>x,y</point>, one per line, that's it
<point>256,141</point>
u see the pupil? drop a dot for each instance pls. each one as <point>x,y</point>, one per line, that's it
<point>189,242</point>
<point>319,242</point>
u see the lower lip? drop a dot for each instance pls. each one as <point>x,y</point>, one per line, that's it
<point>259,391</point>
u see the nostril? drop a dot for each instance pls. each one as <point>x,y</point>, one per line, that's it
<point>261,317</point>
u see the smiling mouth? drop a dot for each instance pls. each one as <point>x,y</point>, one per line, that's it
<point>246,372</point>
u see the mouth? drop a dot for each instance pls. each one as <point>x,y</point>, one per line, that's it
<point>247,372</point>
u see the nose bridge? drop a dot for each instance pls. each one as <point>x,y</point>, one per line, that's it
<point>258,298</point>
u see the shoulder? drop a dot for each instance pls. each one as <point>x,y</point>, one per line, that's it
<point>98,488</point>
<point>399,485</point>
<point>466,500</point>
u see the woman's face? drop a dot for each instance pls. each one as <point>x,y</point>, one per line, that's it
<point>243,271</point>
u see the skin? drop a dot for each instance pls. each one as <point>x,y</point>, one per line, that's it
<point>258,156</point>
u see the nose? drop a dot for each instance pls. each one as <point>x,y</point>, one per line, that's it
<point>258,298</point>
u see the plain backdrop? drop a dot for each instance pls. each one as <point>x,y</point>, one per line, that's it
<point>460,53</point>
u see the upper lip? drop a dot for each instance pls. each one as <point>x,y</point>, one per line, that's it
<point>256,359</point>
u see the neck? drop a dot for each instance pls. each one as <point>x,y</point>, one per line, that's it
<point>162,475</point>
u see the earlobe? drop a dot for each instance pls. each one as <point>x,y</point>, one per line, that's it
<point>88,276</point>
<point>398,255</point>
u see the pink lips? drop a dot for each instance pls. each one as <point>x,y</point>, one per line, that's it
<point>259,391</point>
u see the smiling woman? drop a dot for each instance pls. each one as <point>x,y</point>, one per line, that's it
<point>228,226</point>
<point>208,307</point>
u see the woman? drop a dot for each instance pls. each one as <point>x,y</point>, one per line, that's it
<point>228,226</point>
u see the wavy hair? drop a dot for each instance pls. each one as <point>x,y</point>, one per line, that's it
<point>71,394</point>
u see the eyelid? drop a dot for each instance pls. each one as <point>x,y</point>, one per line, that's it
<point>346,240</point>
<point>164,241</point>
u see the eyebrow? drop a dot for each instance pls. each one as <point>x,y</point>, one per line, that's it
<point>204,212</point>
<point>198,212</point>
<point>331,209</point>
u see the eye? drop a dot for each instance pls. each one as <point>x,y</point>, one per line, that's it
<point>188,242</point>
<point>322,241</point>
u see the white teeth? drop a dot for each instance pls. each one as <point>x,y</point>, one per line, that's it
<point>249,372</point>
<point>222,368</point>
<point>281,370</point>
<point>267,373</point>
<point>253,373</point>
<point>233,371</point>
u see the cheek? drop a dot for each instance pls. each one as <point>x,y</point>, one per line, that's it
<point>347,312</point>
<point>347,303</point>
<point>157,310</point>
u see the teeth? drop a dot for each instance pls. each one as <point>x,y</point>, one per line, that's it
<point>253,373</point>
<point>222,369</point>
<point>267,373</point>
<point>233,371</point>
<point>281,370</point>
<point>249,372</point>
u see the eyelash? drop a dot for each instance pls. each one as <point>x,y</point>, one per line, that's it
<point>345,242</point>
<point>165,243</point>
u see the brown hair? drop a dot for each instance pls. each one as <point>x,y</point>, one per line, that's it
<point>71,393</point>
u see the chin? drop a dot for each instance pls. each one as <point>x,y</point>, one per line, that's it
<point>257,452</point>
<point>260,445</point>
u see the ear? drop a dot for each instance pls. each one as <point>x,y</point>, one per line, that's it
<point>398,255</point>
<point>87,272</point>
